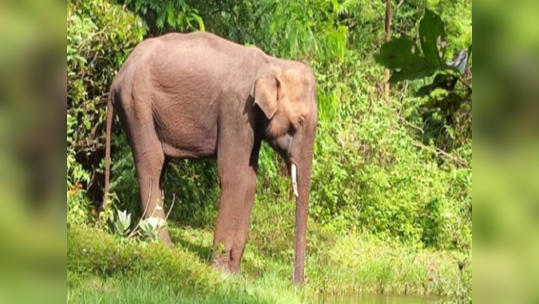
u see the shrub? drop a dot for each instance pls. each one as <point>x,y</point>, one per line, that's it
<point>93,252</point>
<point>100,35</point>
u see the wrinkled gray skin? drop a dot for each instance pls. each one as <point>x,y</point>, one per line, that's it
<point>198,96</point>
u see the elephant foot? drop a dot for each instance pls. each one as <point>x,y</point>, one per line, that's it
<point>224,263</point>
<point>220,262</point>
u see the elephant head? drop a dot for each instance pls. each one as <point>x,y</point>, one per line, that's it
<point>287,97</point>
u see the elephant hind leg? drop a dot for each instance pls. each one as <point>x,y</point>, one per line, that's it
<point>151,163</point>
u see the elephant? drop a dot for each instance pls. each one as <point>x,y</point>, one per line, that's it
<point>200,96</point>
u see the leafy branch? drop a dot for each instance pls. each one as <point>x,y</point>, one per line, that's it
<point>409,61</point>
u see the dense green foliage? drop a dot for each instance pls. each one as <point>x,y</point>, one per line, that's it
<point>99,37</point>
<point>398,169</point>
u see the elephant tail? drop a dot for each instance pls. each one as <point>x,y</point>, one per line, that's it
<point>110,121</point>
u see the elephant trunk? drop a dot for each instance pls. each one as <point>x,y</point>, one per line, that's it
<point>302,190</point>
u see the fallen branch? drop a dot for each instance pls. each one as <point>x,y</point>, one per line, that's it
<point>411,125</point>
<point>456,160</point>
<point>171,207</point>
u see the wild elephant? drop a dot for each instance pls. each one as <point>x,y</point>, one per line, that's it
<point>198,96</point>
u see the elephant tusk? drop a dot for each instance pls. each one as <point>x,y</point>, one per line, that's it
<point>294,174</point>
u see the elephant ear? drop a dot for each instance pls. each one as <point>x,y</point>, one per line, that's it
<point>266,94</point>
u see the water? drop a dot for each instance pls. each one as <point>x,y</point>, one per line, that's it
<point>383,299</point>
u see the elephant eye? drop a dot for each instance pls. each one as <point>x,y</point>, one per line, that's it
<point>292,131</point>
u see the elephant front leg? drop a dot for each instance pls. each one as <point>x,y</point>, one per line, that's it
<point>238,187</point>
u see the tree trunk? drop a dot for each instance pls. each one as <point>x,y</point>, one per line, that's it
<point>389,17</point>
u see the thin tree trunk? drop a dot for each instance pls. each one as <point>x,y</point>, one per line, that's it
<point>389,17</point>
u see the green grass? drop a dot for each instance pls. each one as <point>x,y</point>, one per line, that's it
<point>148,290</point>
<point>105,269</point>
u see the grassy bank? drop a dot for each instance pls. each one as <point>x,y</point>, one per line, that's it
<point>105,269</point>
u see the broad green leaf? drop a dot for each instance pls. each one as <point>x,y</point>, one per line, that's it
<point>431,29</point>
<point>403,58</point>
<point>398,53</point>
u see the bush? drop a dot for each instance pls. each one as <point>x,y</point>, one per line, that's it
<point>91,252</point>
<point>100,36</point>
